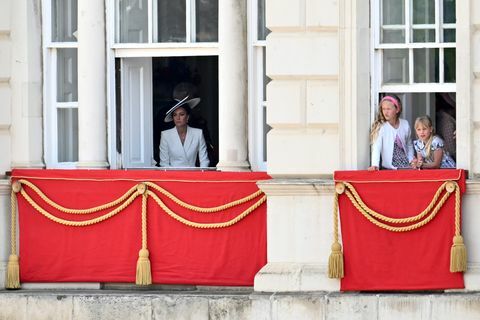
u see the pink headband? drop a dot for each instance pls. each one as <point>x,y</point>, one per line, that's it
<point>392,100</point>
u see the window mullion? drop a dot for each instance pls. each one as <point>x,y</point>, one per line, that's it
<point>441,58</point>
<point>150,19</point>
<point>408,21</point>
<point>188,20</point>
<point>410,66</point>
<point>438,33</point>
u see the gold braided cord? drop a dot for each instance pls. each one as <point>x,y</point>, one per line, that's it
<point>203,209</point>
<point>395,220</point>
<point>457,209</point>
<point>398,229</point>
<point>73,223</point>
<point>144,220</point>
<point>128,198</point>
<point>335,217</point>
<point>13,223</point>
<point>78,211</point>
<point>206,225</point>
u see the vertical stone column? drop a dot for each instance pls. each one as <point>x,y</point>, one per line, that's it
<point>25,84</point>
<point>318,64</point>
<point>232,86</point>
<point>92,110</point>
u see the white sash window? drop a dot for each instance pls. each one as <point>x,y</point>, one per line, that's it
<point>61,87</point>
<point>414,47</point>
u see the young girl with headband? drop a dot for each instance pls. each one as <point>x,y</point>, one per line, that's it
<point>392,146</point>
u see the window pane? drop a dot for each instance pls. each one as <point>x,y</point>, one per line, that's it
<point>449,11</point>
<point>393,36</point>
<point>423,11</point>
<point>423,35</point>
<point>67,126</point>
<point>395,66</point>
<point>262,31</point>
<point>171,21</point>
<point>425,62</point>
<point>206,20</point>
<point>133,21</point>
<point>393,12</point>
<point>67,75</point>
<point>449,35</point>
<point>64,20</point>
<point>449,63</point>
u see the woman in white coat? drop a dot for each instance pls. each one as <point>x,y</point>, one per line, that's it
<point>180,145</point>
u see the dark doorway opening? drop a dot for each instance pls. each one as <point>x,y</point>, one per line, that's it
<point>202,72</point>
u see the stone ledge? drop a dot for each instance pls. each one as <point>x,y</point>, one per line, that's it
<point>68,304</point>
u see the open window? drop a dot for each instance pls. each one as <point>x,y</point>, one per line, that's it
<point>61,83</point>
<point>414,57</point>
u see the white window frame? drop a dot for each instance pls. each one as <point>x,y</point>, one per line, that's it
<point>376,56</point>
<point>148,49</point>
<point>256,101</point>
<point>50,103</point>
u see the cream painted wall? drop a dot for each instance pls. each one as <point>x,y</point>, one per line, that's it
<point>26,130</point>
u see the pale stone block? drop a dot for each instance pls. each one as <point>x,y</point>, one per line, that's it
<point>471,219</point>
<point>475,6</point>
<point>285,14</point>
<point>294,277</point>
<point>13,306</point>
<point>32,99</point>
<point>286,103</point>
<point>43,307</point>
<point>322,102</point>
<point>476,98</point>
<point>111,307</point>
<point>351,307</point>
<point>303,54</point>
<point>302,153</point>
<point>322,13</point>
<point>261,306</point>
<point>476,52</point>
<point>5,15</point>
<point>278,277</point>
<point>5,61</point>
<point>304,306</point>
<point>5,108</point>
<point>230,307</point>
<point>476,150</point>
<point>408,307</point>
<point>5,159</point>
<point>452,306</point>
<point>180,307</point>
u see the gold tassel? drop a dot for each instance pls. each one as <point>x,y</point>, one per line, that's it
<point>13,273</point>
<point>144,274</point>
<point>458,255</point>
<point>335,262</point>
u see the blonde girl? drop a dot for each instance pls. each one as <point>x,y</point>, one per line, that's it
<point>390,137</point>
<point>430,147</point>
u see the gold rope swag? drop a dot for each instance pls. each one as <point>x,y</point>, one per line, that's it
<point>458,252</point>
<point>143,270</point>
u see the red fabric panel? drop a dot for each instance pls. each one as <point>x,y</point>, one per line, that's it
<point>377,259</point>
<point>108,251</point>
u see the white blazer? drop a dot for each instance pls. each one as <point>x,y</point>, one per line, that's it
<point>383,145</point>
<point>174,154</point>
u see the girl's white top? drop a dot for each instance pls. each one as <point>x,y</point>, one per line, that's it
<point>383,144</point>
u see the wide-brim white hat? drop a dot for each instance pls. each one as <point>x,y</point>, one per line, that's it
<point>192,103</point>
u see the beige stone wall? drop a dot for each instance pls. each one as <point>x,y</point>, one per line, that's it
<point>5,89</point>
<point>475,50</point>
<point>302,100</point>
